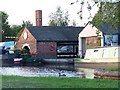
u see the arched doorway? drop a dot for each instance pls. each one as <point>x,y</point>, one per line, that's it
<point>26,47</point>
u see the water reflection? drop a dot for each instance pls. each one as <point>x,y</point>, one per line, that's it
<point>37,71</point>
<point>46,70</point>
<point>89,73</point>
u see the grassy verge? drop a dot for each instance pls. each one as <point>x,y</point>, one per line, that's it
<point>55,82</point>
<point>113,69</point>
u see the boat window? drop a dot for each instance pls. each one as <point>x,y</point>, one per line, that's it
<point>95,50</point>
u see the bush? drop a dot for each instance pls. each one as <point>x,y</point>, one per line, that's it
<point>17,52</point>
<point>25,52</point>
<point>33,59</point>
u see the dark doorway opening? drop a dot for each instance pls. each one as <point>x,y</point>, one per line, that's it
<point>26,48</point>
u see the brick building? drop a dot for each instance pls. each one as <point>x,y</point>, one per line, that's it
<point>46,40</point>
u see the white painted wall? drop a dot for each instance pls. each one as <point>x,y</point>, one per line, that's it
<point>102,53</point>
<point>90,31</point>
<point>80,47</point>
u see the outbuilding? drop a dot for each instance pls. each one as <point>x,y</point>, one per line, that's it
<point>89,39</point>
<point>49,41</point>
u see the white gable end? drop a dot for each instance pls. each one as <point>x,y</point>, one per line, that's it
<point>88,31</point>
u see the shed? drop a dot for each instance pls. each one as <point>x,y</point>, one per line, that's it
<point>89,39</point>
<point>48,41</point>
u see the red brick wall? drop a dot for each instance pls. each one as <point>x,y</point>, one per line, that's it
<point>31,41</point>
<point>92,42</point>
<point>38,17</point>
<point>47,49</point>
<point>43,49</point>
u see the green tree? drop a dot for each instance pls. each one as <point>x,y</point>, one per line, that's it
<point>26,24</point>
<point>108,12</point>
<point>17,29</point>
<point>13,30</point>
<point>5,26</point>
<point>59,18</point>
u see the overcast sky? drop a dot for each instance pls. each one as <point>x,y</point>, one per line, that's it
<point>19,10</point>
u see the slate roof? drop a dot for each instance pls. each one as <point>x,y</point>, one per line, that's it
<point>107,30</point>
<point>58,33</point>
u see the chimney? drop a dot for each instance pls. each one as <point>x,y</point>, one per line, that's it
<point>38,17</point>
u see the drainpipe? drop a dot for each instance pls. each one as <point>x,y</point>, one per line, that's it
<point>80,47</point>
<point>102,40</point>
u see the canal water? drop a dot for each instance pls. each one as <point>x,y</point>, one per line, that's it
<point>48,70</point>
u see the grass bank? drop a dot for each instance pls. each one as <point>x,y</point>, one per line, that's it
<point>56,82</point>
<point>112,69</point>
